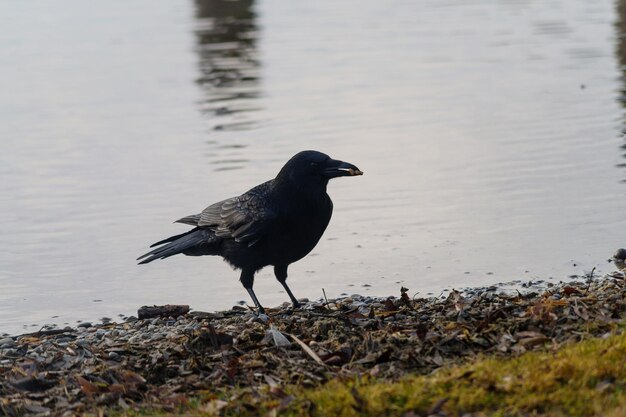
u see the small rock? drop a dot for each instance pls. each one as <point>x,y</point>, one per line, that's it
<point>365,310</point>
<point>82,343</point>
<point>7,342</point>
<point>191,327</point>
<point>261,318</point>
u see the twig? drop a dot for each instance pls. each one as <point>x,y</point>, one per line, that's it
<point>326,299</point>
<point>307,349</point>
<point>589,278</point>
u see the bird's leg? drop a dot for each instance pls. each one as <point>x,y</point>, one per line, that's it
<point>256,301</point>
<point>281,275</point>
<point>247,279</point>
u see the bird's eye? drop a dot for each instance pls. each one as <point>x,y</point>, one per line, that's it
<point>313,164</point>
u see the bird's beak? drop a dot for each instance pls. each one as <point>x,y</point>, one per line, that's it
<point>336,168</point>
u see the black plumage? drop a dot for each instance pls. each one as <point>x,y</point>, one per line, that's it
<point>275,223</point>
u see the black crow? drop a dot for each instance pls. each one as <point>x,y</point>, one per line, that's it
<point>275,223</point>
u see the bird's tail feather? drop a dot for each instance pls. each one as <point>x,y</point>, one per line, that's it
<point>175,245</point>
<point>171,239</point>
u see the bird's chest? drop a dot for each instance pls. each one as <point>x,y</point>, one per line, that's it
<point>300,230</point>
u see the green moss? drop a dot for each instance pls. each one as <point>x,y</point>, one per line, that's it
<point>583,379</point>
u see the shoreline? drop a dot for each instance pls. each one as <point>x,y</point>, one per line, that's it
<point>524,285</point>
<point>162,363</point>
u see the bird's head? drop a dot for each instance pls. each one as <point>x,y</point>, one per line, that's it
<point>619,259</point>
<point>312,169</point>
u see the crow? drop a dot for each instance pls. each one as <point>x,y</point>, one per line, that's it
<point>275,223</point>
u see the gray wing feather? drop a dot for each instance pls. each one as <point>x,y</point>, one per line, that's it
<point>245,218</point>
<point>192,220</point>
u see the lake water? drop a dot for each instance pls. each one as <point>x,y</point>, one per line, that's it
<point>490,134</point>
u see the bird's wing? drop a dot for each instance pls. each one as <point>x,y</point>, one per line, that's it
<point>192,220</point>
<point>245,218</point>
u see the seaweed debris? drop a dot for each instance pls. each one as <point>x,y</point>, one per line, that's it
<point>164,362</point>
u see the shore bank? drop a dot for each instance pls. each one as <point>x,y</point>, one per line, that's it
<point>237,363</point>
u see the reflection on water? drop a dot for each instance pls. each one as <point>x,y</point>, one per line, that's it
<point>621,56</point>
<point>226,34</point>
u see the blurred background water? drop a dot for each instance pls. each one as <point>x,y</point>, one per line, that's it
<point>490,133</point>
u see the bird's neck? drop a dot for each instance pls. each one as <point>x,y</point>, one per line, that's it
<point>304,193</point>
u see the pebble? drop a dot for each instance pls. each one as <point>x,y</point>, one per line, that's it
<point>261,318</point>
<point>82,343</point>
<point>7,342</point>
<point>191,327</point>
<point>363,309</point>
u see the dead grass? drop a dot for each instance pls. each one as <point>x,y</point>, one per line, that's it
<point>586,378</point>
